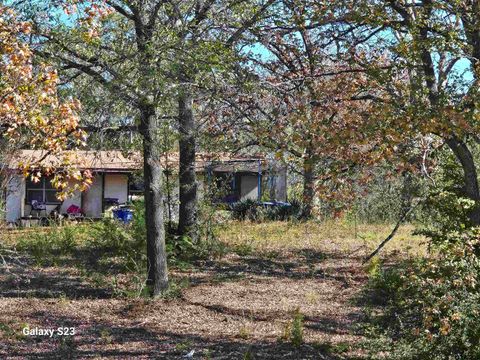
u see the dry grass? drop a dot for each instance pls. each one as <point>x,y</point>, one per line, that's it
<point>331,236</point>
<point>243,303</point>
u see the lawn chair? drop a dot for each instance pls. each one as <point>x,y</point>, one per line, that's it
<point>38,207</point>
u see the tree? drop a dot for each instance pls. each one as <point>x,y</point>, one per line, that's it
<point>203,59</point>
<point>137,51</point>
<point>432,50</point>
<point>120,46</point>
<point>309,105</point>
<point>31,113</point>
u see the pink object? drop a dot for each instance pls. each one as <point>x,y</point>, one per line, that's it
<point>74,209</point>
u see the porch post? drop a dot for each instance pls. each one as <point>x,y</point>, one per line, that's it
<point>103,192</point>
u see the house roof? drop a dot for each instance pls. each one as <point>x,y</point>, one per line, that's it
<point>118,161</point>
<point>84,159</point>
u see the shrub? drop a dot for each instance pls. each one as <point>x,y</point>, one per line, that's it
<point>384,282</point>
<point>46,246</point>
<point>254,211</point>
<point>297,328</point>
<point>245,210</point>
<point>433,304</point>
<point>296,210</point>
<point>180,249</point>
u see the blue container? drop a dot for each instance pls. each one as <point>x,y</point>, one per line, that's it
<point>124,215</point>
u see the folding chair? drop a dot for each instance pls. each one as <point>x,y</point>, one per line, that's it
<point>38,207</point>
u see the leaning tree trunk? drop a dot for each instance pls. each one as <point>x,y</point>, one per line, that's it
<point>471,188</point>
<point>187,222</point>
<point>156,251</point>
<point>308,186</point>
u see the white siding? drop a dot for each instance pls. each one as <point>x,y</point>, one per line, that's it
<point>116,186</point>
<point>74,199</point>
<point>15,198</point>
<point>281,185</point>
<point>92,198</point>
<point>249,187</point>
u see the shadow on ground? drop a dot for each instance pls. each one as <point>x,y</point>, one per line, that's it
<point>107,340</point>
<point>127,337</point>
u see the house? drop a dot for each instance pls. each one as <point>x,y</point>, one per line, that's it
<point>114,181</point>
<point>111,171</point>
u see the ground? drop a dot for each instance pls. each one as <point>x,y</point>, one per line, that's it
<point>239,306</point>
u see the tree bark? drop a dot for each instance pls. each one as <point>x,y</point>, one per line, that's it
<point>156,251</point>
<point>308,186</point>
<point>187,222</point>
<point>471,188</point>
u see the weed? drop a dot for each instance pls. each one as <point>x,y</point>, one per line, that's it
<point>7,330</point>
<point>183,346</point>
<point>293,330</point>
<point>228,277</point>
<point>66,344</point>
<point>106,336</point>
<point>312,297</point>
<point>47,246</point>
<point>207,354</point>
<point>373,267</point>
<point>244,332</point>
<point>244,249</point>
<point>287,332</point>
<point>175,289</point>
<point>296,335</point>
<point>332,348</point>
<point>248,355</point>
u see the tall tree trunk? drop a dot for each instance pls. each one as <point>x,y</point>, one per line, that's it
<point>152,171</point>
<point>308,185</point>
<point>187,222</point>
<point>471,188</point>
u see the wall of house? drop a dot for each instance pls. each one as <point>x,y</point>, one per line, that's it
<point>116,186</point>
<point>92,198</point>
<point>74,199</point>
<point>281,185</point>
<point>15,201</point>
<point>15,198</point>
<point>249,187</point>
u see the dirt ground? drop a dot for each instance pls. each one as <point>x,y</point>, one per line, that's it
<point>238,307</point>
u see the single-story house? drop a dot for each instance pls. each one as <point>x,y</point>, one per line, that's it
<point>114,181</point>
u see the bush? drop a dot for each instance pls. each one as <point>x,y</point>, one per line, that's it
<point>254,211</point>
<point>245,210</point>
<point>295,211</point>
<point>180,249</point>
<point>47,246</point>
<point>433,304</point>
<point>435,313</point>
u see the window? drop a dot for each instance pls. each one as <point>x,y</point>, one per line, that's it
<point>227,187</point>
<point>42,191</point>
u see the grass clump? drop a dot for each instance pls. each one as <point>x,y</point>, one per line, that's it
<point>293,331</point>
<point>244,332</point>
